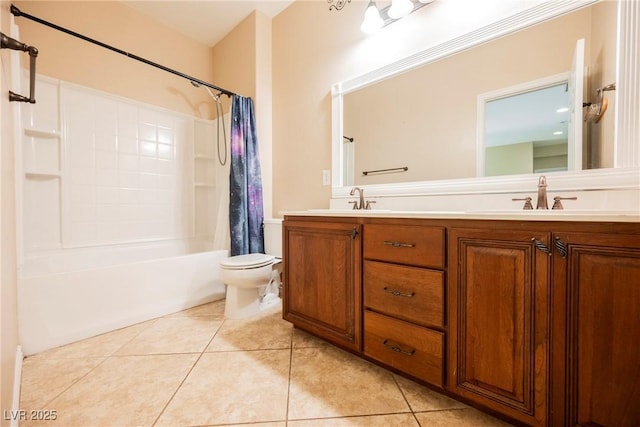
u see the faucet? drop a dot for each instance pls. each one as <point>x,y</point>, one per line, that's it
<point>359,204</point>
<point>542,193</point>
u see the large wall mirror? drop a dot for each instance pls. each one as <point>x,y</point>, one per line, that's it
<point>491,109</point>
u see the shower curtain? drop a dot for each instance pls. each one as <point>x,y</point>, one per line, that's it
<point>245,184</point>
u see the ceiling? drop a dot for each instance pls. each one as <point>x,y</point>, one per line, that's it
<point>206,21</point>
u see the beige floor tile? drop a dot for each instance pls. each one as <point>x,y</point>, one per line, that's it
<point>232,387</point>
<point>44,379</point>
<point>174,335</point>
<point>268,331</point>
<point>328,382</point>
<point>458,418</point>
<point>275,424</point>
<point>99,346</point>
<point>421,398</point>
<point>122,391</point>
<point>394,420</point>
<point>302,339</point>
<point>215,309</point>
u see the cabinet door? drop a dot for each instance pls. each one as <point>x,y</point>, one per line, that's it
<point>596,330</point>
<point>498,322</point>
<point>321,291</point>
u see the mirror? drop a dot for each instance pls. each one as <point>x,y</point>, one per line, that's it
<point>386,123</point>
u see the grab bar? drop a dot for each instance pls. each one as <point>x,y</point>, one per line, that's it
<point>11,43</point>
<point>402,169</point>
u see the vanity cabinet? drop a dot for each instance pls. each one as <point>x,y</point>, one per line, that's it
<point>322,275</point>
<point>536,321</point>
<point>498,329</point>
<point>403,288</point>
<point>596,330</point>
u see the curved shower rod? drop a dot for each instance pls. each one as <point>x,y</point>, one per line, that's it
<point>17,12</point>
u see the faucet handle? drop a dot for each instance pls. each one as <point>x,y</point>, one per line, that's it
<point>355,204</point>
<point>527,203</point>
<point>557,204</point>
<point>368,204</point>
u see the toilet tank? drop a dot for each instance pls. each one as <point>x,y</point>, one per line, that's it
<point>273,237</point>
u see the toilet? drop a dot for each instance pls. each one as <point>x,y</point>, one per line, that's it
<point>253,280</point>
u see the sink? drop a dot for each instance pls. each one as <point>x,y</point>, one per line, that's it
<point>551,212</point>
<point>349,211</point>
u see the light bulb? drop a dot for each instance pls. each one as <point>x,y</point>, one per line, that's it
<point>400,8</point>
<point>372,21</point>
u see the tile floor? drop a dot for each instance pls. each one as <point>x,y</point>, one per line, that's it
<point>194,368</point>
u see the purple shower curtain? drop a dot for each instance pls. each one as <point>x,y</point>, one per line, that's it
<point>246,213</point>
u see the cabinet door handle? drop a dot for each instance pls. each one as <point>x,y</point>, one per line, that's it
<point>354,233</point>
<point>397,293</point>
<point>561,247</point>
<point>396,347</point>
<point>541,246</point>
<point>398,244</point>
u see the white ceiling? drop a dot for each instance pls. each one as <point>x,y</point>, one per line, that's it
<point>206,21</point>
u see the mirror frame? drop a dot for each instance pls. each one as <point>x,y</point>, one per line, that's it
<point>626,170</point>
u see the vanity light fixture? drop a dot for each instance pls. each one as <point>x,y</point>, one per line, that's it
<point>375,19</point>
<point>400,8</point>
<point>372,20</point>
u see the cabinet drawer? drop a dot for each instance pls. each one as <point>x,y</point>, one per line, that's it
<point>406,347</point>
<point>405,244</point>
<point>410,293</point>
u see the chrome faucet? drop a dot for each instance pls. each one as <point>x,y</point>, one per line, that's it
<point>542,193</point>
<point>359,204</point>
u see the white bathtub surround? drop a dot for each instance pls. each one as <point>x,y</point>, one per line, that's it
<point>62,298</point>
<point>117,209</point>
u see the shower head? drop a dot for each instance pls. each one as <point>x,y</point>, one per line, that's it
<point>215,97</point>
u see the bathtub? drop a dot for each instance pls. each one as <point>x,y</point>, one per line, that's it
<point>71,294</point>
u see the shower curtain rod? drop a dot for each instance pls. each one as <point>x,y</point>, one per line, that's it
<point>17,12</point>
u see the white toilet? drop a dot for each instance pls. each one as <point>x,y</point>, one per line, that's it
<point>253,280</point>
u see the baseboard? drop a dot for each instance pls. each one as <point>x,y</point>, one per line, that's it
<point>17,379</point>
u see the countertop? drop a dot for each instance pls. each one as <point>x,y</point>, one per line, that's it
<point>515,215</point>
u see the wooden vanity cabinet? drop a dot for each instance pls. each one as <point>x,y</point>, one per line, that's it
<point>321,274</point>
<point>537,321</point>
<point>403,289</point>
<point>498,320</point>
<point>596,330</point>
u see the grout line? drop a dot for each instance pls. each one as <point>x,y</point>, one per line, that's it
<point>104,359</point>
<point>286,413</point>
<point>188,373</point>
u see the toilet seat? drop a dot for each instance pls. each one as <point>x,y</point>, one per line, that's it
<point>246,262</point>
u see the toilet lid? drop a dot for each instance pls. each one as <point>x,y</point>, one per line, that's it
<point>239,262</point>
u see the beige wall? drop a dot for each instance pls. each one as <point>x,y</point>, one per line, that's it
<point>68,58</point>
<point>603,72</point>
<point>8,278</point>
<point>242,63</point>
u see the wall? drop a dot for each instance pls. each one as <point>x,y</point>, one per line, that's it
<point>74,60</point>
<point>314,48</point>
<point>242,63</point>
<point>8,277</point>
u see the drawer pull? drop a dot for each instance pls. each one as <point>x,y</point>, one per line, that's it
<point>397,293</point>
<point>398,244</point>
<point>397,348</point>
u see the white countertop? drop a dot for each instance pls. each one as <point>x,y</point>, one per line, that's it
<point>515,215</point>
